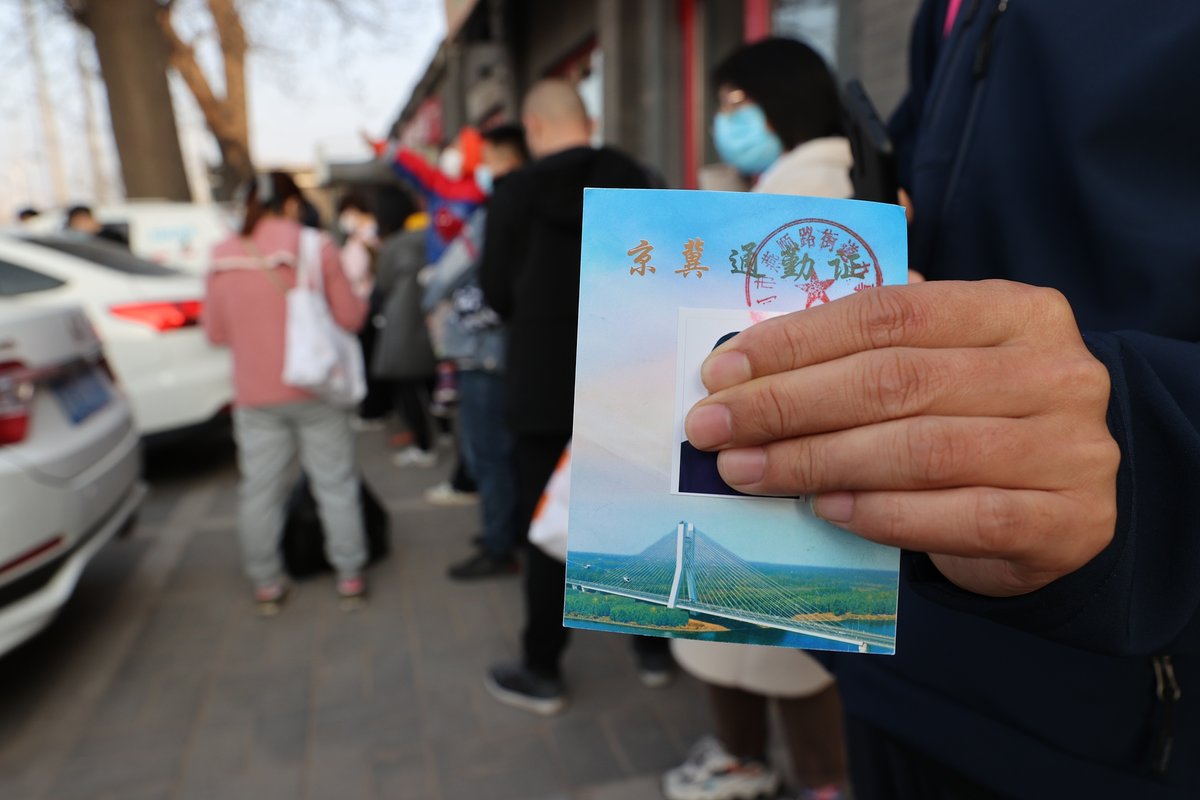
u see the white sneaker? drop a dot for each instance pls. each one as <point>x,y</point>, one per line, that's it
<point>710,773</point>
<point>446,495</point>
<point>415,457</point>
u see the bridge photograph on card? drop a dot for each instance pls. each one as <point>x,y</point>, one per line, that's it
<point>688,584</point>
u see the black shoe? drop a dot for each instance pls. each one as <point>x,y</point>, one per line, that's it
<point>483,565</point>
<point>514,685</point>
<point>656,669</point>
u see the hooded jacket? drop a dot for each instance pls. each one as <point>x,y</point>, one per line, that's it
<point>530,276</point>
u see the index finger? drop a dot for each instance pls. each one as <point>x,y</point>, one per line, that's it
<point>935,315</point>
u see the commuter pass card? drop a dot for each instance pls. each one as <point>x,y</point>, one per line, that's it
<point>658,544</point>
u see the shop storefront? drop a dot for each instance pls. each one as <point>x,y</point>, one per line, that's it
<point>642,67</point>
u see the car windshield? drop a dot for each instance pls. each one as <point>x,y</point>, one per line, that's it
<point>104,254</point>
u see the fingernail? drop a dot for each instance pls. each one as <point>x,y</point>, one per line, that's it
<point>725,370</point>
<point>744,466</point>
<point>709,426</point>
<point>837,507</point>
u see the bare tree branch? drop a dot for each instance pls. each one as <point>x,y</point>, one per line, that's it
<point>233,52</point>
<point>182,58</point>
<point>226,116</point>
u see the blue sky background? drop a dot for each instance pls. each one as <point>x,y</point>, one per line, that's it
<point>625,383</point>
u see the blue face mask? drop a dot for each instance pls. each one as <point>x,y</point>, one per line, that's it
<point>745,141</point>
<point>484,179</point>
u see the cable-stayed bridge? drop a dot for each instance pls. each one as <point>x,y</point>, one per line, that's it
<point>686,569</point>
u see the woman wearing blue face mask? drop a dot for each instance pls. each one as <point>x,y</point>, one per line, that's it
<point>780,123</point>
<point>779,120</point>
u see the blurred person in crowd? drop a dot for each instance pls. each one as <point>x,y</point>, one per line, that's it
<point>403,354</point>
<point>81,220</point>
<point>451,194</point>
<point>27,215</point>
<point>779,119</point>
<point>310,215</point>
<point>245,310</point>
<point>448,189</point>
<point>357,224</point>
<point>473,337</point>
<point>530,277</point>
<point>1029,448</point>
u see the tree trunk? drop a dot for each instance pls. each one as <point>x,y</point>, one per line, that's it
<point>133,61</point>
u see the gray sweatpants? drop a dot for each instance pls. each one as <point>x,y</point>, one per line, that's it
<point>268,441</point>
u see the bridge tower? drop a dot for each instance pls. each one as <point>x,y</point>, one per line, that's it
<point>685,549</point>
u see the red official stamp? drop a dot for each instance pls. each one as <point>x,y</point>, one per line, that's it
<point>821,258</point>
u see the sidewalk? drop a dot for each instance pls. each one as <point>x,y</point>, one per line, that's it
<point>188,694</point>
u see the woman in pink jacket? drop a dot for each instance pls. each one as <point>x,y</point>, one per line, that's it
<point>246,311</point>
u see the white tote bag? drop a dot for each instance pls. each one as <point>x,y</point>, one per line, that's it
<point>549,528</point>
<point>320,357</point>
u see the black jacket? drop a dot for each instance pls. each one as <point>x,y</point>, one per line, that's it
<point>530,276</point>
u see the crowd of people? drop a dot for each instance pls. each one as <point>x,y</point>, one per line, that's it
<point>1049,615</point>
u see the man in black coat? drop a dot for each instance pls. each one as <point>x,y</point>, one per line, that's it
<point>530,276</point>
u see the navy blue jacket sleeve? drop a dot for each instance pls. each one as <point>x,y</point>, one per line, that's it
<point>1118,156</point>
<point>1141,595</point>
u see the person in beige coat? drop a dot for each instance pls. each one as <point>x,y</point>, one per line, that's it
<point>779,124</point>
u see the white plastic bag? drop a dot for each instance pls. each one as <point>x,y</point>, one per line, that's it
<point>320,357</point>
<point>549,527</point>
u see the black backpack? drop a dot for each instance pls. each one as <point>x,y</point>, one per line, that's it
<point>303,543</point>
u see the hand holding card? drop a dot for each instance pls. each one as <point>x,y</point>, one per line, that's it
<point>966,420</point>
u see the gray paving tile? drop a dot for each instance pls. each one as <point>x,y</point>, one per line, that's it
<point>269,690</point>
<point>112,764</point>
<point>271,774</point>
<point>21,782</point>
<point>409,775</point>
<point>341,771</point>
<point>682,710</point>
<point>514,767</point>
<point>639,739</point>
<point>643,788</point>
<point>447,711</point>
<point>156,791</point>
<point>258,784</point>
<point>391,664</point>
<point>585,751</point>
<point>281,736</point>
<point>383,723</point>
<point>217,755</point>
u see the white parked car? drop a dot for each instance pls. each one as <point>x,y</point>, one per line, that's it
<point>69,462</point>
<point>146,315</point>
<point>180,235</point>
